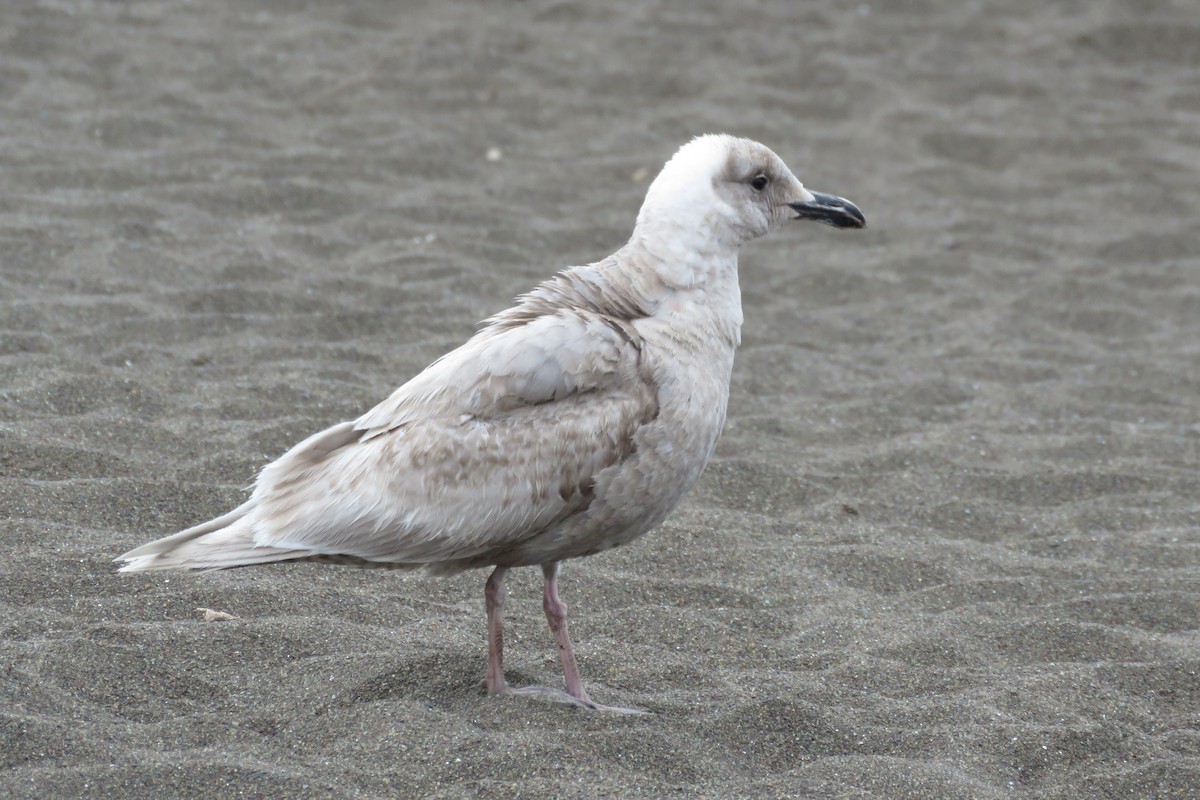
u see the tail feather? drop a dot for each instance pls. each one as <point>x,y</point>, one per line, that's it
<point>227,541</point>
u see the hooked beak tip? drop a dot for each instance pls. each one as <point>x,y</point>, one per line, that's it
<point>830,209</point>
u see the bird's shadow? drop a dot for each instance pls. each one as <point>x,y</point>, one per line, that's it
<point>441,679</point>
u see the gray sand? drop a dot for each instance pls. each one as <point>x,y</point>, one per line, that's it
<point>950,544</point>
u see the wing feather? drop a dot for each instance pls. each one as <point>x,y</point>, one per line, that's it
<point>490,445</point>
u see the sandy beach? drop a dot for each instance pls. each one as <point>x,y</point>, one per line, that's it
<point>949,546</point>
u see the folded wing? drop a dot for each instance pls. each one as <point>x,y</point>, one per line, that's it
<point>492,444</point>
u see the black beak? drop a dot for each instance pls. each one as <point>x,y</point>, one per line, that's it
<point>832,210</point>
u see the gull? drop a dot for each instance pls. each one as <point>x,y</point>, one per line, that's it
<point>569,424</point>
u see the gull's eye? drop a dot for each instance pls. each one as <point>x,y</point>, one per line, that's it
<point>759,182</point>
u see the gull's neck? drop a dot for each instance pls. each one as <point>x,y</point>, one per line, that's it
<point>690,278</point>
<point>682,254</point>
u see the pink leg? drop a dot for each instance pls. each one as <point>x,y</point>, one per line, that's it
<point>556,615</point>
<point>494,596</point>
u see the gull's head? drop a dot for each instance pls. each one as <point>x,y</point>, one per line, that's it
<point>734,190</point>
